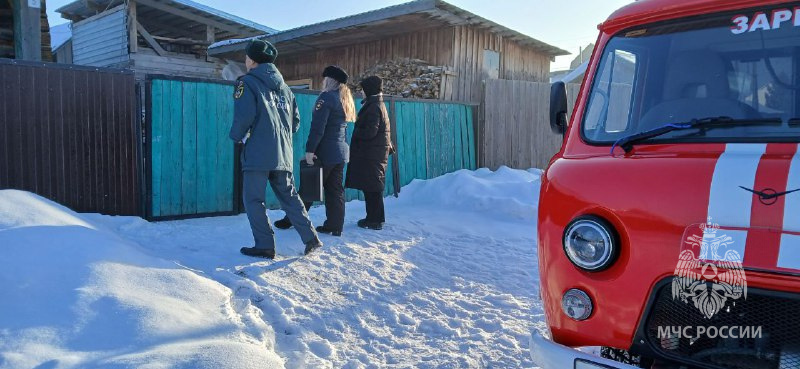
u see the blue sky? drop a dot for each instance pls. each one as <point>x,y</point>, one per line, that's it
<point>568,24</point>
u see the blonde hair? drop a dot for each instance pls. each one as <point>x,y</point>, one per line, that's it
<point>345,97</point>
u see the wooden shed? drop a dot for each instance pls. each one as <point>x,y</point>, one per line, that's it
<point>471,48</point>
<point>168,37</point>
<point>10,30</point>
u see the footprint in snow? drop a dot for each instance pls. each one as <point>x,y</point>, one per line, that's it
<point>322,349</point>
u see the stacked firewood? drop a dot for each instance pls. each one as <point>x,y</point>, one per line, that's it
<point>411,78</point>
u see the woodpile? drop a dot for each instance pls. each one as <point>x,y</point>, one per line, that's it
<point>410,78</point>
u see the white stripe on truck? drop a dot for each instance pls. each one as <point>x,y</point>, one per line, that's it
<point>729,205</point>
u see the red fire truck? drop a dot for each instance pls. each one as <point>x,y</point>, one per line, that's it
<point>669,221</point>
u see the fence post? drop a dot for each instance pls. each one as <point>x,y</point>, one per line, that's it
<point>396,154</point>
<point>480,129</point>
<point>28,29</point>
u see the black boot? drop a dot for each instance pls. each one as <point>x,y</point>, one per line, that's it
<point>330,231</point>
<point>312,245</point>
<point>363,223</point>
<point>284,223</point>
<point>259,253</point>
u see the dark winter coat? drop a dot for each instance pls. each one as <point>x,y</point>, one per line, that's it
<point>265,107</point>
<point>328,136</point>
<point>370,147</point>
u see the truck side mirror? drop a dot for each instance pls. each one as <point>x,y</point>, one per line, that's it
<point>558,107</point>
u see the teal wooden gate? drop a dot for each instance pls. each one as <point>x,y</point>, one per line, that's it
<point>192,165</point>
<point>191,159</point>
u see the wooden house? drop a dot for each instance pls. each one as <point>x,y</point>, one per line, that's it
<point>168,37</point>
<point>12,28</point>
<point>470,48</point>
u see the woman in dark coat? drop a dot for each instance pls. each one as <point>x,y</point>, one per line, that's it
<point>327,141</point>
<point>369,152</point>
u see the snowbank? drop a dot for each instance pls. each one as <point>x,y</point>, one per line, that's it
<point>451,282</point>
<point>74,294</point>
<point>505,192</point>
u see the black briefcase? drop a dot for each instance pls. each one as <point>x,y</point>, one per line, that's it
<point>311,181</point>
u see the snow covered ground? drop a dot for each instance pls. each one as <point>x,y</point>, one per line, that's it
<point>451,282</point>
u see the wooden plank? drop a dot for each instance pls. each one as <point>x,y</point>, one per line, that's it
<point>423,134</point>
<point>167,158</point>
<point>223,169</point>
<point>157,117</point>
<point>215,113</point>
<point>150,40</point>
<point>133,32</point>
<point>189,149</point>
<point>411,127</point>
<point>515,131</point>
<point>206,149</point>
<point>458,129</point>
<point>488,127</point>
<point>191,16</point>
<point>471,138</point>
<point>401,142</point>
<point>175,141</point>
<point>227,161</point>
<point>408,165</point>
<point>452,129</point>
<point>211,34</point>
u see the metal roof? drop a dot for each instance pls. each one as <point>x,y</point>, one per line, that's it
<point>81,8</point>
<point>440,11</point>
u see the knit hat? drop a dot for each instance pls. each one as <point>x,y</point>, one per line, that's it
<point>336,73</point>
<point>372,85</point>
<point>261,51</point>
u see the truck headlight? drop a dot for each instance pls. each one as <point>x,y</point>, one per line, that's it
<point>577,304</point>
<point>591,243</point>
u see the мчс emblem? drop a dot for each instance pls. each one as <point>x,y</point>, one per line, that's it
<point>709,281</point>
<point>239,90</point>
<point>319,104</point>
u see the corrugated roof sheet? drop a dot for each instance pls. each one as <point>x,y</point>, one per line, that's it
<point>78,4</point>
<point>418,6</point>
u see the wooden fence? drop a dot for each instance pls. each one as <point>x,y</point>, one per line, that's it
<point>516,126</point>
<point>192,166</point>
<point>190,159</point>
<point>69,133</point>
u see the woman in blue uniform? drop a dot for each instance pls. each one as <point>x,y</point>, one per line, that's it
<point>327,142</point>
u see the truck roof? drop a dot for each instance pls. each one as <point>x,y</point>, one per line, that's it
<point>649,11</point>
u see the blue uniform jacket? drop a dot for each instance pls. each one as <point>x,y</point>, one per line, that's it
<point>328,136</point>
<point>265,107</point>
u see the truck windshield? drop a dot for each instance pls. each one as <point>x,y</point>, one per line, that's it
<point>743,66</point>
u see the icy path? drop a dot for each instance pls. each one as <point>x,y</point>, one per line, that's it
<point>451,282</point>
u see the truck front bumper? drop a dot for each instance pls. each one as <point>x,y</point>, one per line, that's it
<point>550,355</point>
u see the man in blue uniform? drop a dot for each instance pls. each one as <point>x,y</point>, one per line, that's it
<point>265,117</point>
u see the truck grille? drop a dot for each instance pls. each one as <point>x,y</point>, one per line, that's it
<point>767,334</point>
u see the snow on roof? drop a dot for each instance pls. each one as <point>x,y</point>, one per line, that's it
<point>227,16</point>
<point>60,34</point>
<point>80,6</point>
